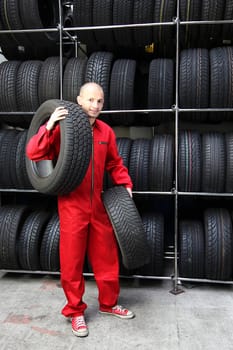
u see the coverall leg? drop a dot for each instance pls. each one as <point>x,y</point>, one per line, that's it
<point>87,230</point>
<point>103,256</point>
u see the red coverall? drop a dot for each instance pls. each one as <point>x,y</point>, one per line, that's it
<point>84,223</point>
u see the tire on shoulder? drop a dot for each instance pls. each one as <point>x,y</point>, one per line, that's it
<point>63,175</point>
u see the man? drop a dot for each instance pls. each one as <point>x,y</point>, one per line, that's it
<point>84,224</point>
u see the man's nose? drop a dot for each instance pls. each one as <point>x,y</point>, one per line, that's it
<point>95,104</point>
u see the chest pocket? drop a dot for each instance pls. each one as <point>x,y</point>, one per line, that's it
<point>101,148</point>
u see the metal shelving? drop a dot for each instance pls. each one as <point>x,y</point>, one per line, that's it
<point>66,32</point>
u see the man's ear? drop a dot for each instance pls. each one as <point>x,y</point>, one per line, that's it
<point>79,100</point>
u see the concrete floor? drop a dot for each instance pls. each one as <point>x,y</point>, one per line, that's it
<point>199,318</point>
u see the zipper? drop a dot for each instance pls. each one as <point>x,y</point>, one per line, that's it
<point>92,164</point>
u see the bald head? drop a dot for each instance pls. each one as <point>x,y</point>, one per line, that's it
<point>90,86</point>
<point>91,99</point>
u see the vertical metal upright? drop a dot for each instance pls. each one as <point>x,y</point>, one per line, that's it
<point>176,289</point>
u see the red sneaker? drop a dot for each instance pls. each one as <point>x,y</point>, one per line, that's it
<point>79,327</point>
<point>118,311</point>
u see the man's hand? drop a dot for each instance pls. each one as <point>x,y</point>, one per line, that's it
<point>129,191</point>
<point>58,114</point>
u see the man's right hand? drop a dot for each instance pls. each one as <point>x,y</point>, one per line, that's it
<point>58,114</point>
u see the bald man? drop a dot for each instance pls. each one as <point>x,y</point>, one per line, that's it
<point>84,223</point>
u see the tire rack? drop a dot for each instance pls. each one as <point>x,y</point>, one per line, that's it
<point>173,254</point>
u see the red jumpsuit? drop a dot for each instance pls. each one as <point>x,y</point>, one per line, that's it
<point>84,223</point>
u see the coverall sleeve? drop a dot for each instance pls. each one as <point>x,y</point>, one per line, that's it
<point>114,164</point>
<point>44,145</point>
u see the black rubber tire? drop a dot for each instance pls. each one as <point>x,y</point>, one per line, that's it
<point>75,150</point>
<point>102,16</point>
<point>27,86</point>
<point>30,239</point>
<point>11,19</point>
<point>227,29</point>
<point>98,70</point>
<point>124,146</point>
<point>164,11</point>
<point>122,90</point>
<point>194,78</point>
<point>123,14</point>
<point>49,251</point>
<point>218,244</point>
<point>160,89</point>
<point>221,73</point>
<point>189,161</point>
<point>161,163</point>
<point>139,164</point>
<point>11,221</point>
<point>191,249</point>
<point>212,10</point>
<point>128,227</point>
<point>39,14</point>
<point>213,162</point>
<point>7,178</point>
<point>8,77</point>
<point>23,181</point>
<point>153,224</point>
<point>161,83</point>
<point>142,13</point>
<point>83,17</point>
<point>229,162</point>
<point>73,77</point>
<point>49,79</point>
<point>190,10</point>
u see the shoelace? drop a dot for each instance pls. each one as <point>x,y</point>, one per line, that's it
<point>79,322</point>
<point>120,309</point>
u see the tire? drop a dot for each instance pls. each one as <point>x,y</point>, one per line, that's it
<point>164,11</point>
<point>191,249</point>
<point>122,90</point>
<point>218,244</point>
<point>7,178</point>
<point>75,150</point>
<point>212,10</point>
<point>194,78</point>
<point>102,16</point>
<point>153,224</point>
<point>83,17</point>
<point>11,20</point>
<point>142,13</point>
<point>49,251</point>
<point>43,14</point>
<point>123,14</point>
<point>30,239</point>
<point>161,83</point>
<point>27,86</point>
<point>161,163</point>
<point>213,162</point>
<point>128,227</point>
<point>227,30</point>
<point>229,162</point>
<point>189,161</point>
<point>98,70</point>
<point>190,10</point>
<point>139,164</point>
<point>8,77</point>
<point>11,221</point>
<point>73,78</point>
<point>221,72</point>
<point>49,79</point>
<point>23,181</point>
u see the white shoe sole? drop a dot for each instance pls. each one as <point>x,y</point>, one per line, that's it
<point>83,333</point>
<point>127,317</point>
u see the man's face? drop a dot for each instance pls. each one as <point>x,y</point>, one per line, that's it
<point>91,99</point>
